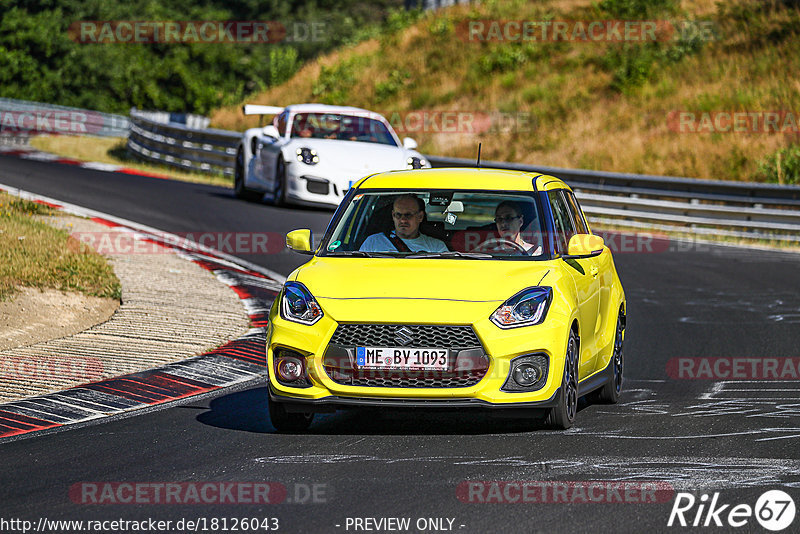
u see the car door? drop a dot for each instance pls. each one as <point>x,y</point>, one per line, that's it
<point>584,272</point>
<point>604,263</point>
<point>268,151</point>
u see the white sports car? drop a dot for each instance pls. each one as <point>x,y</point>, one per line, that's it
<point>312,153</point>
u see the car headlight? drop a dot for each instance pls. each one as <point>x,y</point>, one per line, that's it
<point>307,155</point>
<point>528,307</point>
<point>414,162</point>
<point>298,305</point>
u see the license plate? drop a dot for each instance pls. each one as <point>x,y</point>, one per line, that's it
<point>402,358</point>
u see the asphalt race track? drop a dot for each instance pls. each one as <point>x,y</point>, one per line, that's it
<point>739,438</point>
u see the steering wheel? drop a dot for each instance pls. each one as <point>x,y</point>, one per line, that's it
<point>493,242</point>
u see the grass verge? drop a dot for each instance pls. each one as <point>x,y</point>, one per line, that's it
<point>112,150</point>
<point>34,254</point>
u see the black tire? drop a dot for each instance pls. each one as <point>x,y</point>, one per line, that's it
<point>279,195</point>
<point>284,421</point>
<point>609,394</point>
<point>238,181</point>
<point>562,416</point>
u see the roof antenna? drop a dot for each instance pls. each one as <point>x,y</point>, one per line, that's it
<point>479,156</point>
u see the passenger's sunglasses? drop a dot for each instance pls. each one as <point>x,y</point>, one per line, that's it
<point>506,219</point>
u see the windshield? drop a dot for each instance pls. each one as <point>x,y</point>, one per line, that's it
<point>440,224</point>
<point>341,127</point>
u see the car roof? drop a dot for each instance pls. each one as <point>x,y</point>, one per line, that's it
<point>462,178</point>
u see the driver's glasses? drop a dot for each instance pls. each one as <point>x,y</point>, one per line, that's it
<point>408,215</point>
<point>502,220</point>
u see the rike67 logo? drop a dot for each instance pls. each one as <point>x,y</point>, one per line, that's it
<point>774,510</point>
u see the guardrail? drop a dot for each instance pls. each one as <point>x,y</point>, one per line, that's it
<point>21,119</point>
<point>685,205</point>
<point>204,150</point>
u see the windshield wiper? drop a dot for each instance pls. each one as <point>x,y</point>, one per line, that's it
<point>362,254</point>
<point>451,254</point>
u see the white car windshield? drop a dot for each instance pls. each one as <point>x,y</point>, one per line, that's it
<point>341,127</point>
<point>436,223</point>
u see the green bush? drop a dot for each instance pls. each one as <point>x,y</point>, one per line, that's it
<point>334,83</point>
<point>283,63</point>
<point>782,166</point>
<point>502,59</point>
<point>389,88</point>
<point>638,9</point>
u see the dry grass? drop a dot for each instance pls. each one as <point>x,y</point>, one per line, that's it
<point>112,150</point>
<point>34,254</point>
<point>582,119</point>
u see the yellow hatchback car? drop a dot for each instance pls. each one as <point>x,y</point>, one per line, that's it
<point>448,288</point>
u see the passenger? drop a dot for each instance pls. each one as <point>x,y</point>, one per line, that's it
<point>408,212</point>
<point>509,218</point>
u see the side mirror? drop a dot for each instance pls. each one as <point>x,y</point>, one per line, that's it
<point>583,245</point>
<point>270,131</point>
<point>409,143</point>
<point>300,241</point>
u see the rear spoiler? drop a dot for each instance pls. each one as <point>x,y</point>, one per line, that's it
<point>252,109</point>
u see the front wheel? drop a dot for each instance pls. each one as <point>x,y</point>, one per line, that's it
<point>563,415</point>
<point>284,421</point>
<point>239,188</point>
<point>279,195</point>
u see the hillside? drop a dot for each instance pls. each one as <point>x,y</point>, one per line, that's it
<point>713,96</point>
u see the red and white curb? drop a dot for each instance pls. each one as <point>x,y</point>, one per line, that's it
<point>236,362</point>
<point>38,155</point>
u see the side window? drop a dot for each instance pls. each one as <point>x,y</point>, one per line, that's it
<point>577,214</point>
<point>281,123</point>
<point>561,219</point>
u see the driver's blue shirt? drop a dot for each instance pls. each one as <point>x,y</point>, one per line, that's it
<point>423,243</point>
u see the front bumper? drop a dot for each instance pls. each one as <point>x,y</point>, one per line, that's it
<point>332,403</point>
<point>500,346</point>
<point>317,186</point>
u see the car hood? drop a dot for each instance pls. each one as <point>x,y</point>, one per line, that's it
<point>354,157</point>
<point>432,279</point>
<point>421,290</point>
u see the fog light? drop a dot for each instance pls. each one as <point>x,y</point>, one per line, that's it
<point>526,374</point>
<point>290,369</point>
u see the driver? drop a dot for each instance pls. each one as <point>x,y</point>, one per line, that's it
<point>508,217</point>
<point>408,211</point>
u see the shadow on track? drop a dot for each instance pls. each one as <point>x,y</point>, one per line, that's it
<point>246,411</point>
<point>267,202</point>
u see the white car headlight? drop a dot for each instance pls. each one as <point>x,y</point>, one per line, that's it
<point>413,162</point>
<point>307,155</point>
<point>526,308</point>
<point>298,305</point>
